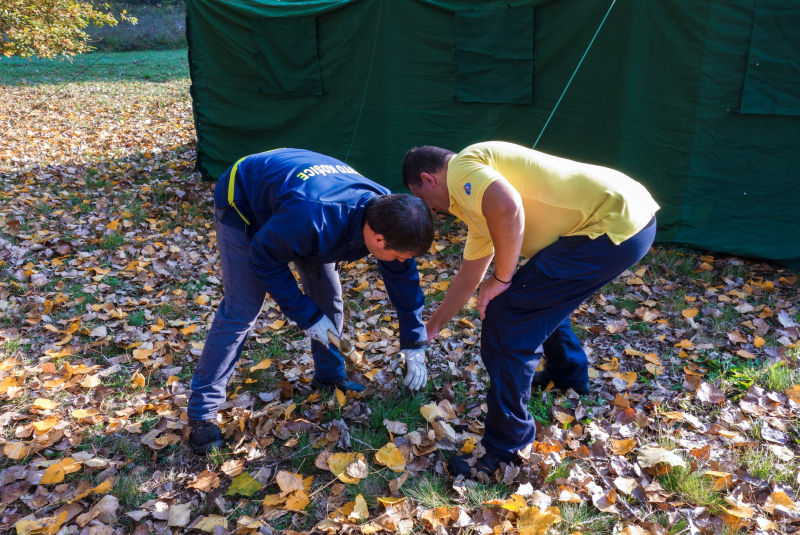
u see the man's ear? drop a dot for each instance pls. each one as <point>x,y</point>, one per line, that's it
<point>428,179</point>
<point>379,241</point>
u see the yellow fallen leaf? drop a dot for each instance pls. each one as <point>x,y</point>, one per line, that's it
<point>84,413</point>
<point>391,457</point>
<point>208,523</point>
<point>44,404</point>
<point>430,412</point>
<point>137,380</point>
<point>758,341</point>
<point>49,525</point>
<point>263,365</point>
<point>371,374</point>
<point>297,501</point>
<point>689,312</point>
<point>534,521</point>
<point>189,329</point>
<point>340,397</point>
<point>202,299</point>
<point>686,344</point>
<point>793,392</point>
<point>159,325</point>
<point>622,446</point>
<point>778,498</point>
<point>43,426</point>
<point>272,499</point>
<point>16,450</point>
<point>468,446</point>
<point>277,324</point>
<point>103,487</point>
<point>360,510</point>
<point>610,366</point>
<point>54,474</point>
<point>113,225</point>
<point>338,463</point>
<point>91,381</point>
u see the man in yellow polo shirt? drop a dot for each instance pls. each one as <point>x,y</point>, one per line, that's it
<point>580,225</point>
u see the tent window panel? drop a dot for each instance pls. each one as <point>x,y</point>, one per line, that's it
<point>772,82</point>
<point>287,56</point>
<point>494,55</point>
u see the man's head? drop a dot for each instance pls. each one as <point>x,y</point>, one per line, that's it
<point>398,227</point>
<point>425,174</point>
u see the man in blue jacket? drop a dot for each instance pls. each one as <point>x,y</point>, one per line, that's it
<point>295,206</point>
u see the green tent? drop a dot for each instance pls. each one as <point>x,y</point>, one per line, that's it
<point>697,99</point>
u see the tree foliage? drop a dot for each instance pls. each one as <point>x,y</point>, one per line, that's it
<point>48,28</point>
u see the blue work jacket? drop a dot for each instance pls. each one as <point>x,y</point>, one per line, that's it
<point>299,205</point>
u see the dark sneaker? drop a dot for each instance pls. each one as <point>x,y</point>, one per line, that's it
<point>205,436</point>
<point>542,379</point>
<point>344,385</point>
<point>488,464</point>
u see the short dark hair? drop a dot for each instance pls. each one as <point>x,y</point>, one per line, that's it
<point>404,221</point>
<point>427,159</point>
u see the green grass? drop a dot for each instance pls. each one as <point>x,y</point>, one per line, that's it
<point>150,66</point>
<point>692,487</point>
<point>428,490</point>
<point>585,519</point>
<point>403,406</point>
<point>762,463</point>
<point>541,406</point>
<point>478,494</point>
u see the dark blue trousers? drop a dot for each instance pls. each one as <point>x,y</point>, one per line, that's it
<point>535,310</point>
<point>237,315</point>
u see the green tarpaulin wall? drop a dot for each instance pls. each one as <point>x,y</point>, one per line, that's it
<point>697,99</point>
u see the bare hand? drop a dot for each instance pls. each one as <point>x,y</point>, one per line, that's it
<point>490,289</point>
<point>432,331</point>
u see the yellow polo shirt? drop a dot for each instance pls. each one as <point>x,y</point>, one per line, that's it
<point>560,197</point>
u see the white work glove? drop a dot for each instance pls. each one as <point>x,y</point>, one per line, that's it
<point>319,331</point>
<point>416,371</point>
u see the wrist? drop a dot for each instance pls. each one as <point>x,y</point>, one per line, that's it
<point>501,280</point>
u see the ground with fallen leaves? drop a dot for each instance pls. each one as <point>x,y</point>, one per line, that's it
<point>109,279</point>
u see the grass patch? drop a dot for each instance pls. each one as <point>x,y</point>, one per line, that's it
<point>541,407</point>
<point>583,518</point>
<point>402,406</point>
<point>429,491</point>
<point>762,463</point>
<point>692,487</point>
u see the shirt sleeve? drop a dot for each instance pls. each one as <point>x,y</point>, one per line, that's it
<point>277,243</point>
<point>402,285</point>
<point>467,180</point>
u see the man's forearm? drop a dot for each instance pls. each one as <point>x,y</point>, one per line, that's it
<point>462,287</point>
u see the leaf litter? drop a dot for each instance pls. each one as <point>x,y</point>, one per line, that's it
<point>109,281</point>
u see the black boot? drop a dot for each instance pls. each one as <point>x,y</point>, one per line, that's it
<point>542,379</point>
<point>205,436</point>
<point>343,384</point>
<point>488,464</point>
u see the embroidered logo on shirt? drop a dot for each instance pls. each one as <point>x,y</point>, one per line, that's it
<point>468,188</point>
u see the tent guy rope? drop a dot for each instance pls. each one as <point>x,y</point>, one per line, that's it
<point>574,73</point>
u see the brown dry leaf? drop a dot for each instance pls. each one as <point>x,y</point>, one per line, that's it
<point>793,392</point>
<point>290,482</point>
<point>391,457</point>
<point>708,393</point>
<point>358,469</point>
<point>622,446</point>
<point>16,450</point>
<point>398,428</point>
<point>205,481</point>
<point>179,514</point>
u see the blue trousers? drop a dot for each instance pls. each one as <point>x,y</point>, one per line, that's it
<point>535,311</point>
<point>237,314</point>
